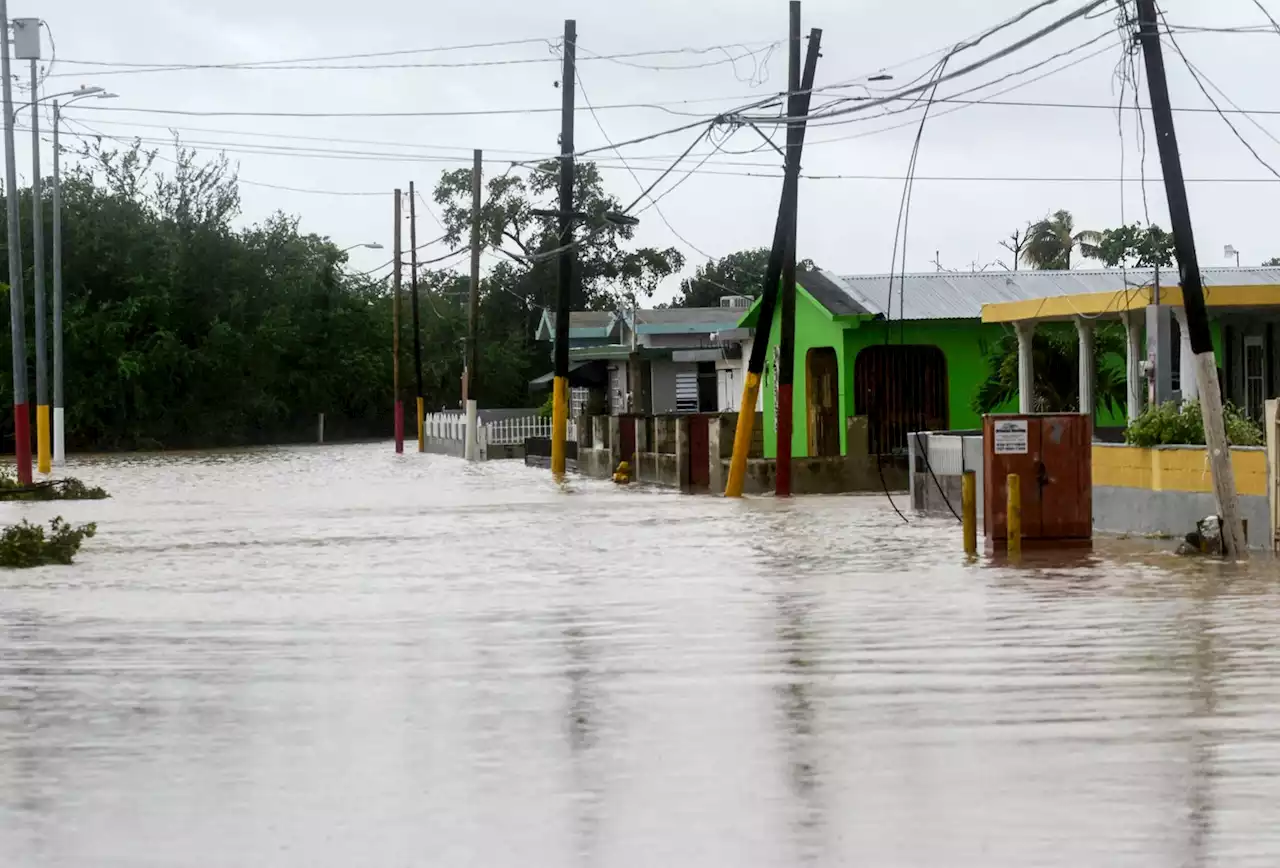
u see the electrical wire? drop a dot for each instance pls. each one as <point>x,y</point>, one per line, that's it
<point>1263,9</point>
<point>1200,84</point>
<point>326,63</point>
<point>966,70</point>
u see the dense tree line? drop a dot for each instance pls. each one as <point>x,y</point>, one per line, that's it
<point>183,329</point>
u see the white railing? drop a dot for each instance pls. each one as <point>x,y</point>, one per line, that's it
<point>513,432</point>
<point>498,432</point>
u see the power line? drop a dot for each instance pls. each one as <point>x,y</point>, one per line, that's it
<point>1263,9</point>
<point>669,170</point>
<point>113,68</point>
<point>972,67</point>
<point>1195,76</point>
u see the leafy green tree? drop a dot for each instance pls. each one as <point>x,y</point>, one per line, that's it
<point>609,273</point>
<point>1055,354</point>
<point>1050,242</point>
<point>740,273</point>
<point>1273,262</point>
<point>1135,245</point>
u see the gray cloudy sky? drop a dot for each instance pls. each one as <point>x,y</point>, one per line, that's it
<point>846,225</point>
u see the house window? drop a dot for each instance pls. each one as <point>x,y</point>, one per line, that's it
<point>1255,388</point>
<point>707,398</point>
<point>687,392</point>
<point>900,389</point>
<point>578,398</point>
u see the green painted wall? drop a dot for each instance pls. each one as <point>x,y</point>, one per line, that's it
<point>815,327</point>
<point>961,342</point>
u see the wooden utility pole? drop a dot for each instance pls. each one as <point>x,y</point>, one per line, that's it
<point>413,303</point>
<point>773,274</point>
<point>1215,434</point>
<point>568,255</point>
<point>473,310</point>
<point>787,340</point>
<point>395,330</point>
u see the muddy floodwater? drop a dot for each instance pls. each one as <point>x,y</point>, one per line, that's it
<point>332,656</point>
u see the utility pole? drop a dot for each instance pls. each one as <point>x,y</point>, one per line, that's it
<point>784,411</point>
<point>17,319</point>
<point>417,329</point>
<point>395,331</point>
<point>473,310</point>
<point>773,272</point>
<point>59,413</point>
<point>568,256</point>
<point>43,454</point>
<point>1224,483</point>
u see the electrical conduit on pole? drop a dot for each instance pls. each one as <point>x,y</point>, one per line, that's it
<point>59,418</point>
<point>17,320</point>
<point>395,335</point>
<point>43,454</point>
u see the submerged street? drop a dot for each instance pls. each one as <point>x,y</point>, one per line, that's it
<point>332,656</point>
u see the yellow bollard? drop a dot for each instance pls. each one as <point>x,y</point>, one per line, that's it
<point>559,425</point>
<point>969,512</point>
<point>1015,515</point>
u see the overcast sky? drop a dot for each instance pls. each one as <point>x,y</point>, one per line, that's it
<point>845,225</point>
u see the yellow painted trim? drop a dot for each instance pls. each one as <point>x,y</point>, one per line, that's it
<point>44,462</point>
<point>742,435</point>
<point>1013,515</point>
<point>1175,469</point>
<point>1066,306</point>
<point>1102,303</point>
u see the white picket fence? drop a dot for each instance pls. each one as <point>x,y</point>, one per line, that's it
<point>497,432</point>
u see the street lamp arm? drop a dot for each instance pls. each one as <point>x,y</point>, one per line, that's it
<point>78,93</point>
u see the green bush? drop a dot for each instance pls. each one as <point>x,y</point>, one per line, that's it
<point>53,489</point>
<point>25,545</point>
<point>548,407</point>
<point>1168,425</point>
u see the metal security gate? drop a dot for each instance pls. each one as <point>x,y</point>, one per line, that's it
<point>900,389</point>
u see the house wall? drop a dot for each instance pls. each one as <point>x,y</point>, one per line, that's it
<point>814,328</point>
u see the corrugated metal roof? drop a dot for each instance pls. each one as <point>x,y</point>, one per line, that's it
<point>584,319</point>
<point>947,295</point>
<point>828,292</point>
<point>709,316</point>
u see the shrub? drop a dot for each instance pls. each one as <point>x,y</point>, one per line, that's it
<point>25,545</point>
<point>54,489</point>
<point>1168,425</point>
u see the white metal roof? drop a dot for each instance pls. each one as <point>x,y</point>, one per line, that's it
<point>948,295</point>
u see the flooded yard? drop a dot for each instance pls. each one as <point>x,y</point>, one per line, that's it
<point>337,657</point>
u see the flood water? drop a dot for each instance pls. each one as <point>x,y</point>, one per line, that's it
<point>336,657</point>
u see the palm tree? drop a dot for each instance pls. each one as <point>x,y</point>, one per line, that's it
<point>1055,357</point>
<point>1050,242</point>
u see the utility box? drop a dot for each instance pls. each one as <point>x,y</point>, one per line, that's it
<point>26,38</point>
<point>1053,457</point>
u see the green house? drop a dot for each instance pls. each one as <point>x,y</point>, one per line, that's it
<point>908,353</point>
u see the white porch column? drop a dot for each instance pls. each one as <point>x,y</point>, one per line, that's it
<point>1133,362</point>
<point>1084,329</point>
<point>1026,367</point>
<point>1186,359</point>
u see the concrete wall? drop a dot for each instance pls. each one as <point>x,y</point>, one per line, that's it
<point>1168,489</point>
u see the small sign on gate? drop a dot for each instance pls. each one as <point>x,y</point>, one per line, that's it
<point>1010,437</point>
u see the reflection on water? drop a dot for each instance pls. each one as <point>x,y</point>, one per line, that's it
<point>337,657</point>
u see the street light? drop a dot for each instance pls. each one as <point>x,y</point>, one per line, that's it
<point>1230,251</point>
<point>59,414</point>
<point>368,245</point>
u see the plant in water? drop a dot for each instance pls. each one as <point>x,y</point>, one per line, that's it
<point>53,489</point>
<point>1168,424</point>
<point>27,545</point>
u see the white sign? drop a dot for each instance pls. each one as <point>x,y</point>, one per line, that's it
<point>1011,437</point>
